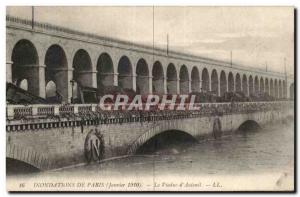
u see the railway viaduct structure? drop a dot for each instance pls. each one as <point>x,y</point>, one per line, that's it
<point>44,58</point>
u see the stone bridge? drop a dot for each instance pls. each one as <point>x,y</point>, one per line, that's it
<point>44,58</point>
<point>47,137</point>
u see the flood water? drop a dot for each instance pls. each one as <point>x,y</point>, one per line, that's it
<point>267,150</point>
<point>270,149</point>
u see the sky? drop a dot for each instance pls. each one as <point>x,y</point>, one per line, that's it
<point>257,36</point>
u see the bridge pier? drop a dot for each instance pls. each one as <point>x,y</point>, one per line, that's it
<point>9,71</point>
<point>35,76</point>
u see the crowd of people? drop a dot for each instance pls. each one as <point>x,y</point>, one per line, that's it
<point>118,117</point>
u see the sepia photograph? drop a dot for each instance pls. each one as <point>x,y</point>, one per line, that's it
<point>150,98</point>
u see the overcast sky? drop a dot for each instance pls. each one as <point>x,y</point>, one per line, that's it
<point>256,35</point>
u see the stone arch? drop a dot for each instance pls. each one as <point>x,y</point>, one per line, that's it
<point>195,80</point>
<point>184,80</point>
<point>256,85</point>
<point>57,69</point>
<point>262,85</point>
<point>158,78</point>
<point>27,155</point>
<point>215,82</point>
<point>25,65</point>
<point>50,89</point>
<point>271,87</point>
<point>148,135</point>
<point>249,125</point>
<point>142,77</point>
<point>292,91</point>
<point>251,88</point>
<point>238,85</point>
<point>23,84</point>
<point>82,68</point>
<point>279,89</point>
<point>267,88</point>
<point>223,83</point>
<point>275,88</point>
<point>230,82</point>
<point>205,80</point>
<point>105,71</point>
<point>171,79</point>
<point>245,85</point>
<point>125,73</point>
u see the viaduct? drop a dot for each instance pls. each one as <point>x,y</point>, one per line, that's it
<point>44,58</point>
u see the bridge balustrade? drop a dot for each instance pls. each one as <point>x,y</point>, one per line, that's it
<point>94,112</point>
<point>22,111</point>
<point>45,110</point>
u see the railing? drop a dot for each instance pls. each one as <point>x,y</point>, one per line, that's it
<point>19,111</point>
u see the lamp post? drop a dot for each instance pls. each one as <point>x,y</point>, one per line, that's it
<point>72,96</point>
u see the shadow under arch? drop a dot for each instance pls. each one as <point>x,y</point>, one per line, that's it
<point>249,125</point>
<point>165,140</point>
<point>15,166</point>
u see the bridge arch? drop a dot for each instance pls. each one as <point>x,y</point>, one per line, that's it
<point>215,82</point>
<point>223,83</point>
<point>251,89</point>
<point>267,88</point>
<point>105,71</point>
<point>25,61</point>
<point>142,77</point>
<point>249,125</point>
<point>245,85</point>
<point>158,78</point>
<point>262,85</point>
<point>148,137</point>
<point>238,83</point>
<point>82,66</point>
<point>23,84</point>
<point>230,82</point>
<point>195,80</point>
<point>184,80</point>
<point>205,80</point>
<point>28,156</point>
<point>57,69</point>
<point>256,85</point>
<point>171,79</point>
<point>50,89</point>
<point>125,74</point>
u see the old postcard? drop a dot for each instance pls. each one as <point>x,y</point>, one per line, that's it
<point>150,98</point>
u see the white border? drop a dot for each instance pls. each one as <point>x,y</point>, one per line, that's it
<point>4,3</point>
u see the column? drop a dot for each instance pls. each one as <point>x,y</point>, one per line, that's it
<point>165,85</point>
<point>9,71</point>
<point>116,79</point>
<point>35,74</point>
<point>41,84</point>
<point>134,82</point>
<point>178,86</point>
<point>94,78</point>
<point>67,98</point>
<point>150,84</point>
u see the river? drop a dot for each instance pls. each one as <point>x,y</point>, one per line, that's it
<point>265,151</point>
